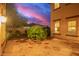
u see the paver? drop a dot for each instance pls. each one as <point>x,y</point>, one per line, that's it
<point>53,47</point>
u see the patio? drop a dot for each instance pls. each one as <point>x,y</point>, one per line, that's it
<point>53,47</point>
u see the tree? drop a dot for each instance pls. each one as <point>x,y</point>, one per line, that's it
<point>36,32</point>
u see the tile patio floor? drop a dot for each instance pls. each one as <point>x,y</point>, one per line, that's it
<point>53,47</point>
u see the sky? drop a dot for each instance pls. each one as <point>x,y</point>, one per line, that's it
<point>38,13</point>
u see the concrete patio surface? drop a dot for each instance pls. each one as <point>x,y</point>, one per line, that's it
<point>53,47</point>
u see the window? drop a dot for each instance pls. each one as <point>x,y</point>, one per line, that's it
<point>72,27</point>
<point>57,26</point>
<point>56,5</point>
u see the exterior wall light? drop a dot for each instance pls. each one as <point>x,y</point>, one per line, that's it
<point>2,19</point>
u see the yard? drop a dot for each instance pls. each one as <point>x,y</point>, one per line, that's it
<point>53,47</point>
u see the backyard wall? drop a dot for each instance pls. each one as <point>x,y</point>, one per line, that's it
<point>2,36</point>
<point>2,26</point>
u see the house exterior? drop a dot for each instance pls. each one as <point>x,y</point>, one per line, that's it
<point>2,26</point>
<point>65,21</point>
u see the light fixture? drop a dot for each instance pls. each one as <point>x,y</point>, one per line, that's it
<point>3,19</point>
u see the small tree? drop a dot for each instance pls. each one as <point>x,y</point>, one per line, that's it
<point>36,32</point>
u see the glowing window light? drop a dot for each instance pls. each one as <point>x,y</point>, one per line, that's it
<point>72,27</point>
<point>57,5</point>
<point>57,26</point>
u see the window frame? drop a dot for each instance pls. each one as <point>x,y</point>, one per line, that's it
<point>71,19</point>
<point>58,20</point>
<point>55,6</point>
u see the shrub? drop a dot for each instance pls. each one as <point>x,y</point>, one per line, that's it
<point>13,34</point>
<point>36,32</point>
<point>48,31</point>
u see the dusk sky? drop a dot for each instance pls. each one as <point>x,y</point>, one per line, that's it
<point>38,13</point>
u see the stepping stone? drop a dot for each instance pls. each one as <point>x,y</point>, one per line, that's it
<point>30,47</point>
<point>46,47</point>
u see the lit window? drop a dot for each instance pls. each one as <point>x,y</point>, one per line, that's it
<point>56,5</point>
<point>57,26</point>
<point>72,27</point>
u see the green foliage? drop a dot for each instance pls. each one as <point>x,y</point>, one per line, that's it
<point>48,31</point>
<point>36,32</point>
<point>14,34</point>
